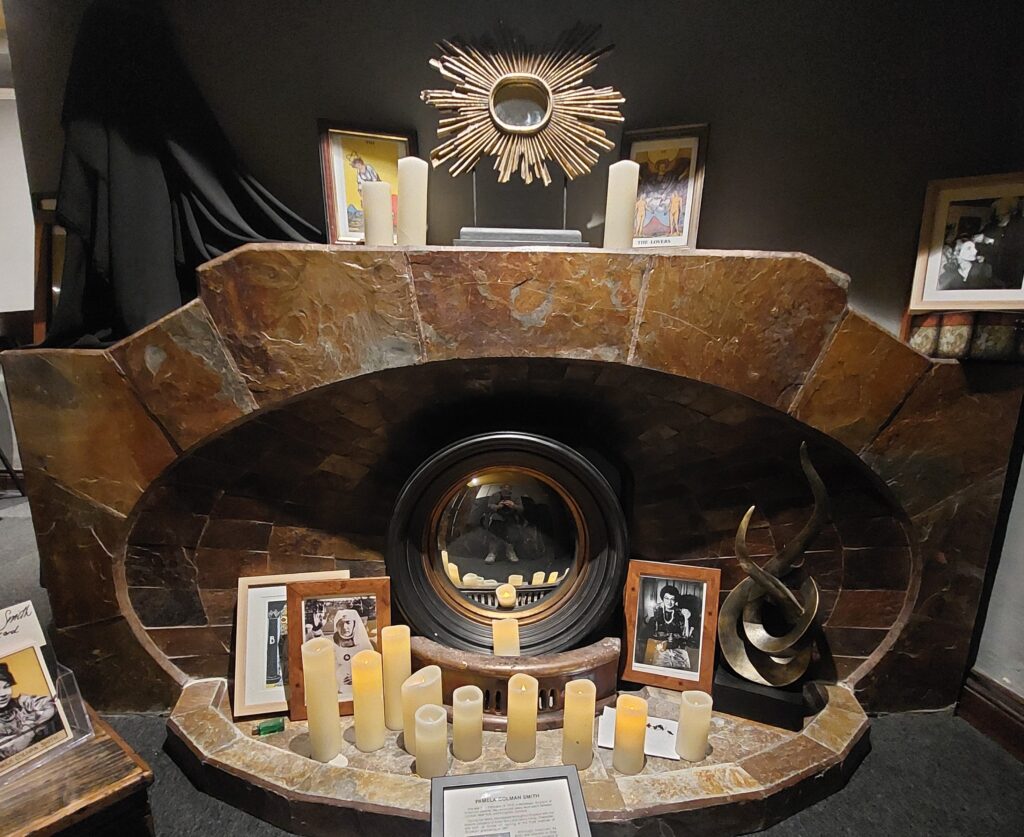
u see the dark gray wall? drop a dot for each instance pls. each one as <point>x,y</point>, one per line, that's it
<point>827,118</point>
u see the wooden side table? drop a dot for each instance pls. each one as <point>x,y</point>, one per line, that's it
<point>99,787</point>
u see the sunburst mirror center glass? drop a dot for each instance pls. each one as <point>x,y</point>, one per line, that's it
<point>521,103</point>
<point>506,526</point>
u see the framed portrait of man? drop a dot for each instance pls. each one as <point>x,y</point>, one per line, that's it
<point>970,253</point>
<point>671,182</point>
<point>671,622</point>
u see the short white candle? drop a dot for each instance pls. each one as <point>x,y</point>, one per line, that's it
<point>378,221</point>
<point>412,201</point>
<point>368,700</point>
<point>553,577</point>
<point>694,725</point>
<point>620,206</point>
<point>467,723</point>
<point>453,574</point>
<point>431,741</point>
<point>505,636</point>
<point>630,734</point>
<point>394,645</point>
<point>321,698</point>
<point>422,688</point>
<point>515,580</point>
<point>578,723</point>
<point>538,577</point>
<point>506,595</point>
<point>521,740</point>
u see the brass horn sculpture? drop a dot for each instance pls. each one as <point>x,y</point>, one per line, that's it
<point>773,659</point>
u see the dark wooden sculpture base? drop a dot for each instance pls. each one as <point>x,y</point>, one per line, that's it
<point>753,776</point>
<point>778,707</point>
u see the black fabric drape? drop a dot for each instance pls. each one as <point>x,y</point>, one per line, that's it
<point>149,187</point>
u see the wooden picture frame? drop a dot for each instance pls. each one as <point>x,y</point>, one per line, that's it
<point>660,647</point>
<point>671,184</point>
<point>342,150</point>
<point>336,597</point>
<point>246,698</point>
<point>970,253</point>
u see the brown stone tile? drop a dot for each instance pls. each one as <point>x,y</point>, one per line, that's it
<point>518,303</point>
<point>160,566</point>
<point>788,762</point>
<point>602,795</point>
<point>836,729</point>
<point>279,767</point>
<point>854,642</point>
<point>167,526</point>
<point>159,607</point>
<point>876,568</point>
<point>244,508</point>
<point>204,665</point>
<point>858,533</point>
<point>183,642</point>
<point>954,431</point>
<point>221,568</point>
<point>863,376</point>
<point>867,608</point>
<point>207,730</point>
<point>752,324</point>
<point>79,421</point>
<point>197,695</point>
<point>688,788</point>
<point>280,564</point>
<point>219,605</point>
<point>296,540</point>
<point>295,317</point>
<point>247,535</point>
<point>846,666</point>
<point>184,375</point>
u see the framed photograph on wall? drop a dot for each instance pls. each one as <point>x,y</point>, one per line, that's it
<point>348,159</point>
<point>671,623</point>
<point>671,182</point>
<point>970,255</point>
<point>352,613</point>
<point>261,641</point>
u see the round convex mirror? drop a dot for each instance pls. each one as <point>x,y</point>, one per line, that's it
<point>520,103</point>
<point>507,528</point>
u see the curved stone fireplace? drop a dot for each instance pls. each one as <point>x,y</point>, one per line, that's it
<point>270,425</point>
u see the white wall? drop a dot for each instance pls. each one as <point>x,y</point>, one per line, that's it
<point>16,225</point>
<point>1001,653</point>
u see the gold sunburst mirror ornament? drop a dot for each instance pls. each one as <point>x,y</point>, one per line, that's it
<point>522,106</point>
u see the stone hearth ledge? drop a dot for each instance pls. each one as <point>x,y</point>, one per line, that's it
<point>754,776</point>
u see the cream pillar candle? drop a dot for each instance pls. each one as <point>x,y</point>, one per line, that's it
<point>467,723</point>
<point>578,723</point>
<point>453,574</point>
<point>321,698</point>
<point>630,734</point>
<point>515,580</point>
<point>378,222</point>
<point>394,645</point>
<point>506,594</point>
<point>553,577</point>
<point>521,700</point>
<point>505,636</point>
<point>431,741</point>
<point>620,206</point>
<point>694,725</point>
<point>412,201</point>
<point>421,688</point>
<point>538,577</point>
<point>368,700</point>
<point>444,559</point>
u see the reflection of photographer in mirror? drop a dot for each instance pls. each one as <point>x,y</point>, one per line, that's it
<point>350,637</point>
<point>314,626</point>
<point>504,514</point>
<point>670,628</point>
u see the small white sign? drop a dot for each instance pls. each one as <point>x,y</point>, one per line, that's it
<point>660,740</point>
<point>19,627</point>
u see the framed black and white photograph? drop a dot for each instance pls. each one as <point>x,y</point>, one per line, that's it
<point>671,619</point>
<point>971,249</point>
<point>351,613</point>
<point>261,641</point>
<point>32,720</point>
<point>513,803</point>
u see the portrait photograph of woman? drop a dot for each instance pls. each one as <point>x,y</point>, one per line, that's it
<point>31,718</point>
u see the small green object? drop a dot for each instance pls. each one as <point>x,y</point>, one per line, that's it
<point>268,727</point>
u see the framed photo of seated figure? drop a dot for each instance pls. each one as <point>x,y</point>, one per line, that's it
<point>970,254</point>
<point>671,624</point>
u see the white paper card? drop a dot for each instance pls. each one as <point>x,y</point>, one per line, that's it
<point>19,627</point>
<point>660,740</point>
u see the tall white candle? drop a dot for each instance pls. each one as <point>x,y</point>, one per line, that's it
<point>515,580</point>
<point>505,636</point>
<point>412,201</point>
<point>421,688</point>
<point>620,206</point>
<point>378,222</point>
<point>467,723</point>
<point>578,723</point>
<point>431,741</point>
<point>694,725</point>
<point>521,740</point>
<point>630,734</point>
<point>394,646</point>
<point>368,700</point>
<point>321,698</point>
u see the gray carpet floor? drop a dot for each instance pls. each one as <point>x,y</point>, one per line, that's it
<point>927,774</point>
